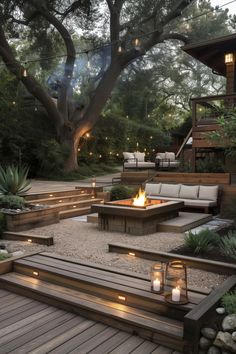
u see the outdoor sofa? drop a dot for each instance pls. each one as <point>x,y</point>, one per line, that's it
<point>193,196</point>
<point>136,160</point>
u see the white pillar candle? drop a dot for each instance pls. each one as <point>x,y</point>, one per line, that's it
<point>156,285</point>
<point>175,294</point>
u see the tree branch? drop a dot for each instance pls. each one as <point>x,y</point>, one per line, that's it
<point>29,82</point>
<point>69,64</point>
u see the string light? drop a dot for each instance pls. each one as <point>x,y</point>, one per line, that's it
<point>100,156</point>
<point>24,74</point>
<point>13,102</point>
<point>87,135</point>
<point>90,153</point>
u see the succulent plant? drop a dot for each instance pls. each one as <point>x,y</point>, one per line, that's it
<point>13,180</point>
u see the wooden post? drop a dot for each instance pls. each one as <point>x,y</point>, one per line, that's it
<point>194,123</point>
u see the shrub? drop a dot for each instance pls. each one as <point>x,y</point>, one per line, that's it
<point>13,180</point>
<point>2,223</point>
<point>12,202</point>
<point>4,256</point>
<point>121,192</point>
<point>229,302</point>
<point>202,242</point>
<point>228,244</point>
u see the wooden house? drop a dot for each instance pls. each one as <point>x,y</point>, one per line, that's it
<point>220,55</point>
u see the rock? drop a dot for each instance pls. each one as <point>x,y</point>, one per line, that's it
<point>224,340</point>
<point>229,323</point>
<point>2,246</point>
<point>3,251</point>
<point>204,343</point>
<point>213,350</point>
<point>220,310</point>
<point>17,253</point>
<point>208,333</point>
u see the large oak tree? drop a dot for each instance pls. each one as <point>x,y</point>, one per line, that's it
<point>153,21</point>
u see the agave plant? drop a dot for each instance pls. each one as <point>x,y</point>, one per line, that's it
<point>13,180</point>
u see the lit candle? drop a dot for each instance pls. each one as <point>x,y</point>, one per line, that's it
<point>176,294</point>
<point>156,285</point>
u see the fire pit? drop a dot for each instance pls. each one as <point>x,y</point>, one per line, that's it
<point>130,216</point>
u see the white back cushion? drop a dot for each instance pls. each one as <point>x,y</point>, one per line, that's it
<point>208,192</point>
<point>170,190</point>
<point>152,188</point>
<point>161,155</point>
<point>128,156</point>
<point>188,192</point>
<point>170,156</point>
<point>140,156</point>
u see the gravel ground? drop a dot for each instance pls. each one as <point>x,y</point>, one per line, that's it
<point>82,240</point>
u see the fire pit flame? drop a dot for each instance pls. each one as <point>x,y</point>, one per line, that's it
<point>140,199</point>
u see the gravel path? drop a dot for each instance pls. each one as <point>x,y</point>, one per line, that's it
<point>83,240</point>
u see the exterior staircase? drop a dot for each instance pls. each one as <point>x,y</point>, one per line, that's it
<point>68,203</point>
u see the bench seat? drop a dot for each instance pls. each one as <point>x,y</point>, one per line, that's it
<point>189,202</point>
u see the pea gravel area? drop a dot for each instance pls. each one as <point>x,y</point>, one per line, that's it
<point>82,240</point>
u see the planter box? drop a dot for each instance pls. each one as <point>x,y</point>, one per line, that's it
<point>29,219</point>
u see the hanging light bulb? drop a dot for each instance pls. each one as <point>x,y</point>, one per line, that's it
<point>137,43</point>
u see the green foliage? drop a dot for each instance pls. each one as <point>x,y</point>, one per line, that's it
<point>121,192</point>
<point>210,165</point>
<point>202,242</point>
<point>12,202</point>
<point>2,223</point>
<point>229,302</point>
<point>228,245</point>
<point>4,256</point>
<point>13,180</point>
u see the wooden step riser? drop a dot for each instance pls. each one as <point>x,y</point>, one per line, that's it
<point>138,301</point>
<point>43,195</point>
<point>75,212</point>
<point>120,323</point>
<point>55,201</point>
<point>81,204</point>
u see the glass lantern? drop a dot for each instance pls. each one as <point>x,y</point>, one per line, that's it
<point>176,283</point>
<point>157,278</point>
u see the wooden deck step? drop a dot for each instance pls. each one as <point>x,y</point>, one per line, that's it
<point>74,212</point>
<point>22,236</point>
<point>147,325</point>
<point>52,194</point>
<point>62,199</point>
<point>76,205</point>
<point>104,284</point>
<point>56,331</point>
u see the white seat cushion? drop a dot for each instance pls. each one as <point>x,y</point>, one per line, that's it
<point>161,155</point>
<point>129,156</point>
<point>188,192</point>
<point>208,192</point>
<point>170,190</point>
<point>152,188</point>
<point>145,164</point>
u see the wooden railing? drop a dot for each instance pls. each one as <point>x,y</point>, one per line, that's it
<point>206,110</point>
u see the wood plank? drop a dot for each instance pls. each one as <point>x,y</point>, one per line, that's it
<point>94,341</point>
<point>112,343</point>
<point>26,341</point>
<point>29,318</point>
<point>28,347</point>
<point>128,346</point>
<point>145,347</point>
<point>55,313</point>
<point>162,350</point>
<point>79,339</point>
<point>58,340</point>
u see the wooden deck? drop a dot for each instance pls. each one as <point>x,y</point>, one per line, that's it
<point>118,301</point>
<point>30,326</point>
